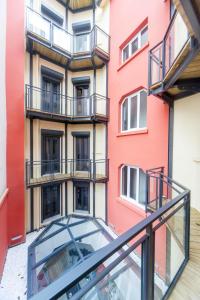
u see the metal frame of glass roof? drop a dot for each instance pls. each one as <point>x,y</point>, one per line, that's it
<point>64,224</point>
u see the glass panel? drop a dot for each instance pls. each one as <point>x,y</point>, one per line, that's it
<point>143,109</point>
<point>175,40</point>
<point>56,265</point>
<point>125,115</point>
<point>83,228</point>
<point>142,187</point>
<point>133,112</point>
<point>144,36</point>
<point>51,230</point>
<point>47,247</point>
<point>133,183</point>
<point>96,241</point>
<point>38,25</point>
<point>125,53</point>
<point>169,252</point>
<point>134,46</point>
<point>124,180</point>
<point>122,283</point>
<point>62,39</point>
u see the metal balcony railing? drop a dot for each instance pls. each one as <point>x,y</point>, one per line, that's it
<point>43,101</point>
<point>163,56</point>
<point>39,172</point>
<point>145,262</point>
<point>60,39</point>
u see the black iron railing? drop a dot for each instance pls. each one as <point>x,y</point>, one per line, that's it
<point>39,172</point>
<point>164,54</point>
<point>145,262</point>
<point>43,101</point>
<point>57,37</point>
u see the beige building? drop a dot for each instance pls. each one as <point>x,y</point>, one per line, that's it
<point>67,109</point>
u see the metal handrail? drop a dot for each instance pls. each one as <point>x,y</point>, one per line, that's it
<point>52,24</point>
<point>163,48</point>
<point>148,226</point>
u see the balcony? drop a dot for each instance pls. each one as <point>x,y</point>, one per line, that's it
<point>174,63</point>
<point>77,52</point>
<point>77,5</point>
<point>145,262</point>
<point>41,172</point>
<point>46,105</point>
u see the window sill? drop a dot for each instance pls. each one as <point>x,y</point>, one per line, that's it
<point>133,56</point>
<point>133,132</point>
<point>132,206</point>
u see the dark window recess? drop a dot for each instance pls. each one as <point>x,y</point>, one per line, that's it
<point>82,100</point>
<point>82,153</point>
<point>50,201</point>
<point>51,101</point>
<point>50,153</point>
<point>144,36</point>
<point>143,109</point>
<point>125,115</point>
<point>134,46</point>
<point>124,180</point>
<point>133,112</point>
<point>142,187</point>
<point>126,53</point>
<point>133,183</point>
<point>82,197</point>
<point>52,15</point>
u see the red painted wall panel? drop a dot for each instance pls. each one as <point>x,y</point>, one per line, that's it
<point>3,233</point>
<point>145,150</point>
<point>15,57</point>
<point>149,149</point>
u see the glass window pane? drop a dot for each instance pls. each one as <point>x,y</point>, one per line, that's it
<point>133,112</point>
<point>144,36</point>
<point>133,183</point>
<point>134,46</point>
<point>142,187</point>
<point>125,53</point>
<point>143,109</point>
<point>124,180</point>
<point>125,115</point>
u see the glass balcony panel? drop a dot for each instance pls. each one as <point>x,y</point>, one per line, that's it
<point>100,104</point>
<point>175,41</point>
<point>102,40</point>
<point>169,252</point>
<point>62,39</point>
<point>38,25</point>
<point>100,168</point>
<point>156,65</point>
<point>81,107</point>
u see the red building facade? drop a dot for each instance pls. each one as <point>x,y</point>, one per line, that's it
<point>138,127</point>
<point>12,204</point>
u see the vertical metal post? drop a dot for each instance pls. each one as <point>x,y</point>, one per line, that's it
<point>148,260</point>
<point>187,226</point>
<point>160,189</point>
<point>163,58</point>
<point>147,191</point>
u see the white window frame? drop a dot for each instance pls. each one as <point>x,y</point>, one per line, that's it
<point>129,112</point>
<point>128,198</point>
<point>138,35</point>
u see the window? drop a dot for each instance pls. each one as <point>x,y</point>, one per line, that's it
<point>133,184</point>
<point>50,201</point>
<point>135,44</point>
<point>134,111</point>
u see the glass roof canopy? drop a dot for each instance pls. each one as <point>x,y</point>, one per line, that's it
<point>62,245</point>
